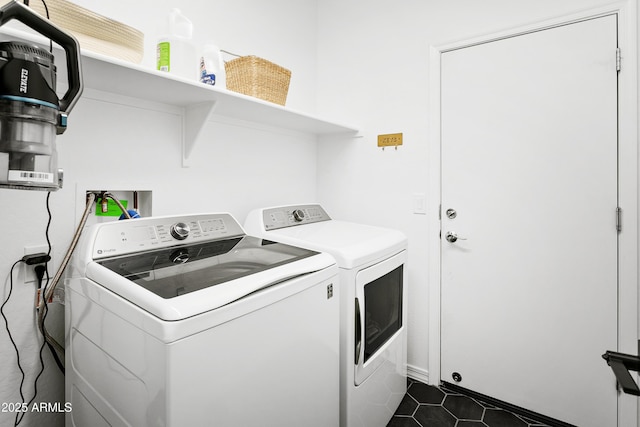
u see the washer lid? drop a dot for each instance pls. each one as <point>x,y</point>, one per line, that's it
<point>176,271</point>
<point>351,244</point>
<point>176,283</point>
<point>309,226</point>
<point>176,267</point>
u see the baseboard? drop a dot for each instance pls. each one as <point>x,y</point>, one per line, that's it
<point>505,405</point>
<point>418,374</point>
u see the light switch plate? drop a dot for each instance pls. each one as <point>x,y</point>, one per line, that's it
<point>419,204</point>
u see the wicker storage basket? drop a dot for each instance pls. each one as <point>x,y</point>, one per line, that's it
<point>259,78</point>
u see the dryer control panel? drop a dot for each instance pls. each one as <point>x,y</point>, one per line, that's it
<point>143,234</point>
<point>290,216</point>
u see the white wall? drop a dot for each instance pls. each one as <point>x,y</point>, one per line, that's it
<point>373,68</point>
<point>360,61</point>
<point>282,31</point>
<point>118,143</point>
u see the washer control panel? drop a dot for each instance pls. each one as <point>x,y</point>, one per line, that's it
<point>142,234</point>
<point>290,216</point>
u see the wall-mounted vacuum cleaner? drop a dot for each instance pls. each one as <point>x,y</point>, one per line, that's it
<point>31,115</point>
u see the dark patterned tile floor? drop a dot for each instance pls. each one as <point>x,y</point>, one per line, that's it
<point>430,406</point>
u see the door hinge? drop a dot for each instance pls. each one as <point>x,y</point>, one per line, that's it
<point>619,219</point>
<point>618,59</point>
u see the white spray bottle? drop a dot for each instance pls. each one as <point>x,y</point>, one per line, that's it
<point>212,70</point>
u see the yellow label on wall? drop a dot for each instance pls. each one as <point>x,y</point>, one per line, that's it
<point>390,140</point>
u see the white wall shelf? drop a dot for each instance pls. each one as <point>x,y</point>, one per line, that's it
<point>199,101</point>
<point>112,75</point>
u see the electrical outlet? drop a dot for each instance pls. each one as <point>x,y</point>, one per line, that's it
<point>29,274</point>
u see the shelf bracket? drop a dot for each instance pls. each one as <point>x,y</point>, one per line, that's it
<point>194,119</point>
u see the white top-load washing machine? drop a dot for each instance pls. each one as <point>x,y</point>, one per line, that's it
<point>187,321</point>
<point>373,280</point>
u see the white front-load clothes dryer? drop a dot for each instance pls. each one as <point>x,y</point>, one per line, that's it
<point>187,321</point>
<point>373,282</point>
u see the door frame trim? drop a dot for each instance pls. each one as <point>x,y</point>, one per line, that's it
<point>628,187</point>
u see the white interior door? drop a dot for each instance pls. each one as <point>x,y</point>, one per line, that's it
<point>529,164</point>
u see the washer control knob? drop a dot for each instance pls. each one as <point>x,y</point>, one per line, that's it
<point>298,215</point>
<point>180,230</point>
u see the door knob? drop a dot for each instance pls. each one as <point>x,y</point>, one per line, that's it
<point>452,237</point>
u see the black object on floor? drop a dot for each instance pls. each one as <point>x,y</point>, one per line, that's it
<point>429,406</point>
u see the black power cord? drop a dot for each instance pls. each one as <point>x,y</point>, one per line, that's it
<point>37,260</point>
<point>40,263</point>
<point>43,292</point>
<point>40,272</point>
<point>6,324</point>
<point>46,10</point>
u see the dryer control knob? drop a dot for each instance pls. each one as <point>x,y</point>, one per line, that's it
<point>180,230</point>
<point>298,215</point>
